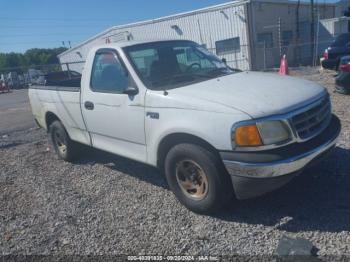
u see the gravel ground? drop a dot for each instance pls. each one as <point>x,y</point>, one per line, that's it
<point>105,204</point>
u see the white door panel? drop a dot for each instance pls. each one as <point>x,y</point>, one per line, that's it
<point>115,120</point>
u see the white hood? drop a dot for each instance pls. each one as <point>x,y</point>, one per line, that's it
<point>254,93</point>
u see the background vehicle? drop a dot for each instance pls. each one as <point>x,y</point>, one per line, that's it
<point>3,78</point>
<point>26,79</point>
<point>3,85</point>
<point>343,78</point>
<point>176,106</point>
<point>12,80</point>
<point>332,55</point>
<point>33,75</point>
<point>21,81</point>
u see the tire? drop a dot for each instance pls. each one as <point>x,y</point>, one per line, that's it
<point>342,90</point>
<point>65,148</point>
<point>337,65</point>
<point>205,199</point>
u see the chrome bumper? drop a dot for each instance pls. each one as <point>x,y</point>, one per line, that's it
<point>277,168</point>
<point>255,178</point>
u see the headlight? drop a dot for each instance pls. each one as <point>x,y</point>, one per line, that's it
<point>261,133</point>
<point>273,132</point>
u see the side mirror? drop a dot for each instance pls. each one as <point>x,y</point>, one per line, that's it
<point>131,91</point>
<point>224,61</point>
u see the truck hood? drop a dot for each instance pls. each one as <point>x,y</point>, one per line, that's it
<point>254,93</point>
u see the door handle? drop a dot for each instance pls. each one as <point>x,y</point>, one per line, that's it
<point>89,105</point>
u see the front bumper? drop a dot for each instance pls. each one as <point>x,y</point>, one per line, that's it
<point>256,173</point>
<point>330,63</point>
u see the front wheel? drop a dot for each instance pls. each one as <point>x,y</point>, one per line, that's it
<point>197,178</point>
<point>65,148</point>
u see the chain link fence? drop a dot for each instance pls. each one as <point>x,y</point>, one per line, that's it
<point>264,52</point>
<point>302,43</point>
<point>260,57</point>
<point>303,54</point>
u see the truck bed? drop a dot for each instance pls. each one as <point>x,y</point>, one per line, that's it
<point>61,80</point>
<point>57,87</point>
<point>63,102</point>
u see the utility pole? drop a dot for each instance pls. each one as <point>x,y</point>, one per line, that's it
<point>296,49</point>
<point>317,38</point>
<point>312,31</point>
<point>280,35</point>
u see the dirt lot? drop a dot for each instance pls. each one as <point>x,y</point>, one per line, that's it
<point>104,204</point>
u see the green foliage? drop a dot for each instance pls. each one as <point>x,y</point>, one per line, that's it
<point>31,58</point>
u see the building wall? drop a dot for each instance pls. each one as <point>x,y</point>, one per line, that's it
<point>266,18</point>
<point>205,28</point>
<point>336,26</point>
<point>342,26</point>
<point>342,6</point>
<point>244,19</point>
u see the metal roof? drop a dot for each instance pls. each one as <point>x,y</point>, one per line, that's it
<point>134,42</point>
<point>179,15</point>
<point>342,18</point>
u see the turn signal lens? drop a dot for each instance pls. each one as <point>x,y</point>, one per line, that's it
<point>248,136</point>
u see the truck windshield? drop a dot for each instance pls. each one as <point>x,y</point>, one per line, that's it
<point>170,64</point>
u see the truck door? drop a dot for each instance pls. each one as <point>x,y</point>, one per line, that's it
<point>114,119</point>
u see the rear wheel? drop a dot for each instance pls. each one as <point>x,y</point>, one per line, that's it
<point>65,148</point>
<point>197,178</point>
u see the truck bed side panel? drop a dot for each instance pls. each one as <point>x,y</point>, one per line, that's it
<point>65,104</point>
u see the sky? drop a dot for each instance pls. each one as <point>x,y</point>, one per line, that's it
<point>27,24</point>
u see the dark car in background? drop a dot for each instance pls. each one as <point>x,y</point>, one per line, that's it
<point>342,81</point>
<point>339,48</point>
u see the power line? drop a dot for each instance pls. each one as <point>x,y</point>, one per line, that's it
<point>59,19</point>
<point>42,35</point>
<point>29,43</point>
<point>49,26</point>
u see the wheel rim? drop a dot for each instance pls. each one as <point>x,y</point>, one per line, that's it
<point>192,179</point>
<point>60,142</point>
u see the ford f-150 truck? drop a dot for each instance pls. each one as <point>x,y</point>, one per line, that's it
<point>215,131</point>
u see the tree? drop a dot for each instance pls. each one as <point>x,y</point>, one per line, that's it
<point>31,58</point>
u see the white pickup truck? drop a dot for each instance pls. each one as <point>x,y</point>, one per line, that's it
<point>215,131</point>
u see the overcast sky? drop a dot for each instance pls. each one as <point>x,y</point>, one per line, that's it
<point>46,23</point>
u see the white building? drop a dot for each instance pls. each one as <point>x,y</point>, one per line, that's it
<point>250,34</point>
<point>342,6</point>
<point>336,26</point>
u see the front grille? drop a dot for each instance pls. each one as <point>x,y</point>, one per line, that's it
<point>311,122</point>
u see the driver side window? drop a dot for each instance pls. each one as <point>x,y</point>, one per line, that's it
<point>108,74</point>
